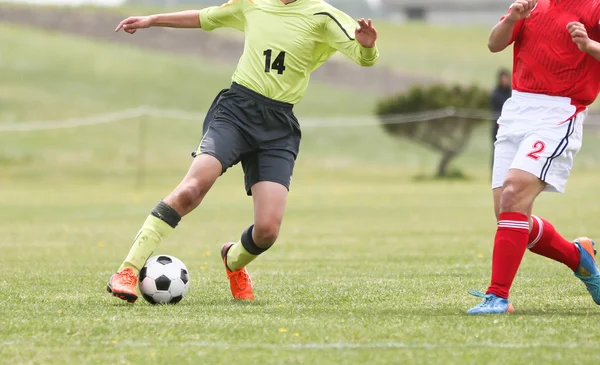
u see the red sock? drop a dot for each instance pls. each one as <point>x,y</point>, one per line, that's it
<point>509,247</point>
<point>545,241</point>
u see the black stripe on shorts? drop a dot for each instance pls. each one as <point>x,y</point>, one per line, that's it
<point>562,146</point>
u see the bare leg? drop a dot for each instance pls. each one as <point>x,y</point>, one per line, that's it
<point>269,206</point>
<point>516,199</point>
<point>202,174</point>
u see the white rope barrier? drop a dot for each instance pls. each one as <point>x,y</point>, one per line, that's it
<point>145,111</point>
<point>73,122</point>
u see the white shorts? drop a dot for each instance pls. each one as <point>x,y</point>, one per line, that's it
<point>539,134</point>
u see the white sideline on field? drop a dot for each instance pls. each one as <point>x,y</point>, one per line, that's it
<point>377,345</point>
<point>338,345</point>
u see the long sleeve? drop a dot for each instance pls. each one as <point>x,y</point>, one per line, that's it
<point>229,15</point>
<point>340,29</point>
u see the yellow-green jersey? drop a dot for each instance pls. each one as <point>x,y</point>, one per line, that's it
<point>285,43</point>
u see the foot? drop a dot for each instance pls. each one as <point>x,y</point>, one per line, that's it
<point>239,280</point>
<point>491,304</point>
<point>123,285</point>
<point>588,270</point>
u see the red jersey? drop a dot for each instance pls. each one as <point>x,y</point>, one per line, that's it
<point>547,61</point>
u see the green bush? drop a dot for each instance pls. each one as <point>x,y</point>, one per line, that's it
<point>439,117</point>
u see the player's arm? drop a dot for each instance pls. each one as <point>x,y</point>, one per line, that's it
<point>502,35</point>
<point>509,27</point>
<point>580,37</point>
<point>226,15</point>
<point>182,19</point>
<point>230,15</point>
<point>594,49</point>
<point>362,48</point>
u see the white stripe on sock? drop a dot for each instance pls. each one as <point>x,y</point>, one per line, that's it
<point>540,232</point>
<point>513,224</point>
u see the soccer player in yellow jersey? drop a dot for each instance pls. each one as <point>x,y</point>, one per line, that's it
<point>252,122</point>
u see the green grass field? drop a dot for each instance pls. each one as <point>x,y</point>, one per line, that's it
<point>372,267</point>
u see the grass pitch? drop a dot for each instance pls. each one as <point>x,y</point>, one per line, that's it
<point>372,267</point>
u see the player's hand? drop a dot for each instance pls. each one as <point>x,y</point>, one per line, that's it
<point>131,24</point>
<point>579,35</point>
<point>365,33</point>
<point>520,9</point>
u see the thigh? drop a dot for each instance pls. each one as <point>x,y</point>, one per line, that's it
<point>548,153</point>
<point>276,166</point>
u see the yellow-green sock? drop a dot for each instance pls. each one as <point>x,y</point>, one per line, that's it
<point>147,240</point>
<point>243,252</point>
<point>238,257</point>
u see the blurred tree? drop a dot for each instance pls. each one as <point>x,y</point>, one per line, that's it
<point>445,119</point>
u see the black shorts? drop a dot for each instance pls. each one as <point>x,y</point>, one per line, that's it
<point>242,125</point>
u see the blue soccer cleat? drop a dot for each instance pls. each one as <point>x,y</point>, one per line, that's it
<point>588,270</point>
<point>491,304</point>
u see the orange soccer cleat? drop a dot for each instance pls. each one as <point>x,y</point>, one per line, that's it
<point>123,285</point>
<point>239,280</point>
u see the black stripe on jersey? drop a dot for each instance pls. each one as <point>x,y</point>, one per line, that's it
<point>337,22</point>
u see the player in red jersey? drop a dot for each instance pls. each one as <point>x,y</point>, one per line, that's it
<point>556,75</point>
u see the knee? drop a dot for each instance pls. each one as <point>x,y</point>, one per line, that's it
<point>510,200</point>
<point>265,233</point>
<point>190,194</point>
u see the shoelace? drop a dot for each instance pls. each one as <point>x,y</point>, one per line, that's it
<point>128,278</point>
<point>244,278</point>
<point>486,301</point>
<point>486,297</point>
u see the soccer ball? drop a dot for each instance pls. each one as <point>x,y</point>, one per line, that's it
<point>164,280</point>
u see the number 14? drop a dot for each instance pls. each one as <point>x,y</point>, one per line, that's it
<point>278,64</point>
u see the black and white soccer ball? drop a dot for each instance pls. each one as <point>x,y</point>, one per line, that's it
<point>164,280</point>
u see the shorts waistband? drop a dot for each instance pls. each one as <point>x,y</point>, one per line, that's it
<point>541,97</point>
<point>260,98</point>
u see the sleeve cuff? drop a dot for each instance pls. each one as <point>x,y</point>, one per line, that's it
<point>204,21</point>
<point>369,54</point>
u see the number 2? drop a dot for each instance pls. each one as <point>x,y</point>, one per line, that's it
<point>278,64</point>
<point>538,147</point>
